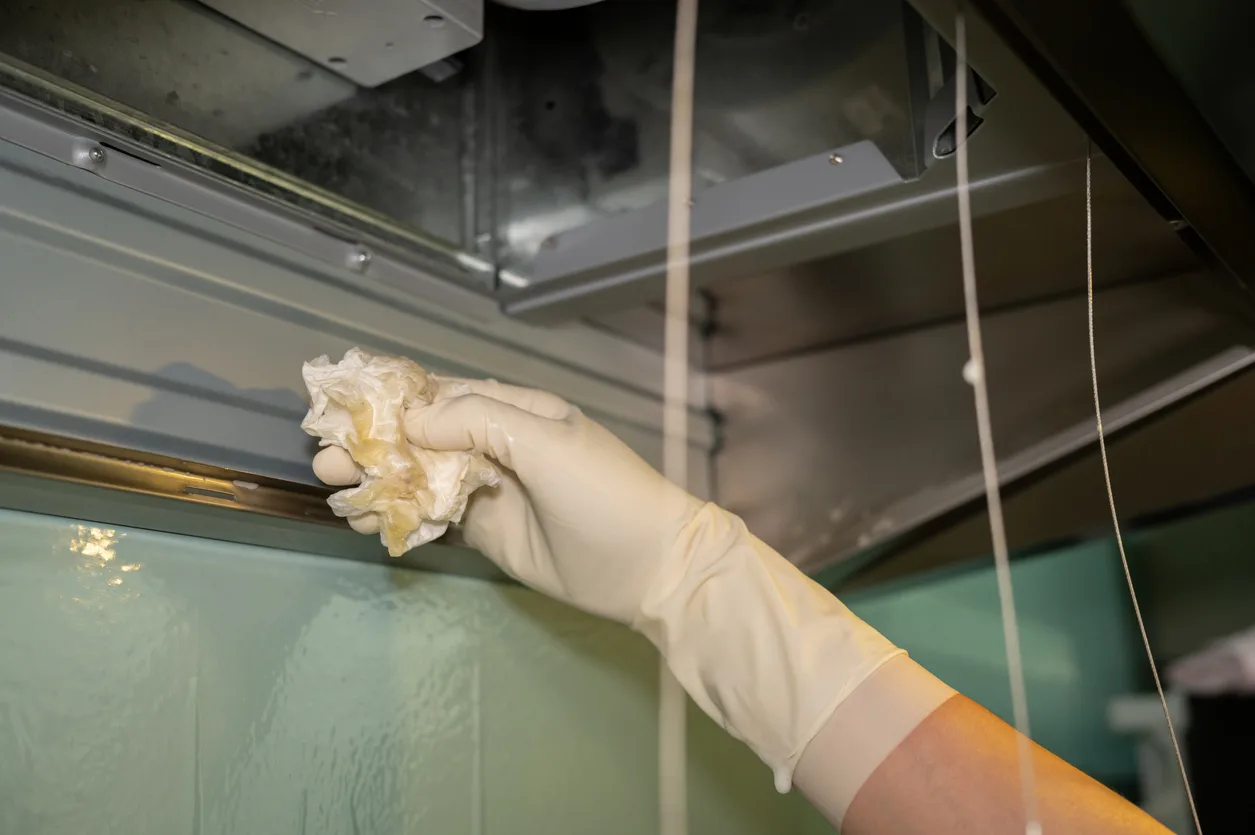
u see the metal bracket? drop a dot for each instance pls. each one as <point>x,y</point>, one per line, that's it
<point>32,127</point>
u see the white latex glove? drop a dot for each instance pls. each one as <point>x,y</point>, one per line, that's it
<point>765,651</point>
<point>579,516</point>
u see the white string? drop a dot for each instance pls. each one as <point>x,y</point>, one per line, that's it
<point>672,701</point>
<point>974,373</point>
<point>1106,474</point>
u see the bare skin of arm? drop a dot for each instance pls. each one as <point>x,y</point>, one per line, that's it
<point>959,772</point>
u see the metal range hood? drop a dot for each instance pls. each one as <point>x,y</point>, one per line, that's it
<point>833,334</point>
<point>525,160</point>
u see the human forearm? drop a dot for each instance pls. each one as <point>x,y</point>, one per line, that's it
<point>959,772</point>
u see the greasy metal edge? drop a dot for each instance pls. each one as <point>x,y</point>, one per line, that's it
<point>1090,54</point>
<point>79,480</point>
<point>84,462</point>
<point>145,137</point>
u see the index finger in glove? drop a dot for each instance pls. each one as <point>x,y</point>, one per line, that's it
<point>537,402</point>
<point>478,423</point>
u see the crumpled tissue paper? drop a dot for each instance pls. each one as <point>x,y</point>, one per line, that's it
<point>359,404</point>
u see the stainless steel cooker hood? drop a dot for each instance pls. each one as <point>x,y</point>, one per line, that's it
<point>521,154</point>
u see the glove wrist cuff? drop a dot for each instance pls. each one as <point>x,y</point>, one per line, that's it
<point>764,650</point>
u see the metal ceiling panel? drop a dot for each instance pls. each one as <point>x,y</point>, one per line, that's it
<point>366,41</point>
<point>129,321</point>
<point>176,62</point>
<point>1028,254</point>
<point>1026,150</point>
<point>829,453</point>
<point>1179,461</point>
<point>1091,54</point>
<point>593,258</point>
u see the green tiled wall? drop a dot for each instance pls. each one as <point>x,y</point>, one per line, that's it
<point>1196,582</point>
<point>153,684</point>
<point>1076,635</point>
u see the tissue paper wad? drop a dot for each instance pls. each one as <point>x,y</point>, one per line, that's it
<point>359,404</point>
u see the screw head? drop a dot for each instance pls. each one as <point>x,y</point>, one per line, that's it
<point>359,259</point>
<point>835,159</point>
<point>88,155</point>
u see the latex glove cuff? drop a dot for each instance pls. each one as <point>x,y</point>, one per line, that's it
<point>768,653</point>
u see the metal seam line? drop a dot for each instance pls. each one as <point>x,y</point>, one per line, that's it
<point>672,700</point>
<point>974,373</point>
<point>1106,474</point>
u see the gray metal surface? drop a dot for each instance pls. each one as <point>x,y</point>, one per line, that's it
<point>175,61</point>
<point>559,118</point>
<point>87,117</point>
<point>409,150</point>
<point>840,226</point>
<point>1207,47</point>
<point>133,322</point>
<point>1026,151</point>
<point>182,79</point>
<point>582,103</point>
<point>725,217</point>
<point>1178,462</point>
<point>831,452</point>
<point>367,41</point>
<point>150,304</point>
<point>1024,255</point>
<point>1090,54</point>
<point>63,139</point>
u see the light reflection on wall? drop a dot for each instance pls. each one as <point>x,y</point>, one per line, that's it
<point>96,542</point>
<point>99,568</point>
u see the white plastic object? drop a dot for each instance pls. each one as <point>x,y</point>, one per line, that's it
<point>1225,666</point>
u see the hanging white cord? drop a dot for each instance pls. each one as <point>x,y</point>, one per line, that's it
<point>974,373</point>
<point>672,701</point>
<point>1106,474</point>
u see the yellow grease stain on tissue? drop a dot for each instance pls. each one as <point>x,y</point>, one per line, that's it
<point>360,404</point>
<point>403,488</point>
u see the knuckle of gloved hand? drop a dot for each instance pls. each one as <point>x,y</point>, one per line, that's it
<point>563,431</point>
<point>415,421</point>
<point>577,424</point>
<point>428,425</point>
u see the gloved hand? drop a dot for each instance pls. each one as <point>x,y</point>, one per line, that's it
<point>764,650</point>
<point>578,515</point>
